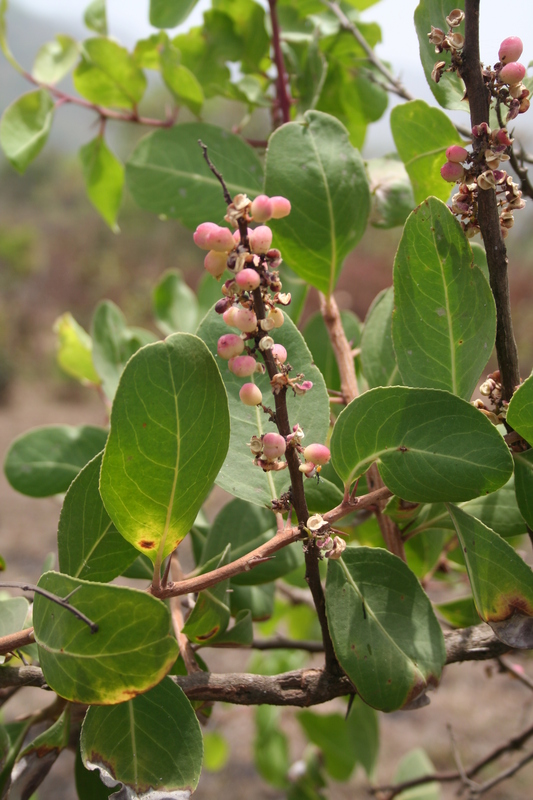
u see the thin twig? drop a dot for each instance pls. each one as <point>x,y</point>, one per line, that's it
<point>516,673</point>
<point>216,173</point>
<point>60,601</point>
<point>282,81</point>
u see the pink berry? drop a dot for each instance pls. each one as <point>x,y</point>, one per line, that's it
<point>512,73</point>
<point>221,240</point>
<point>215,263</point>
<point>452,172</point>
<point>274,445</point>
<point>201,233</point>
<point>247,279</point>
<point>245,320</point>
<point>229,316</point>
<point>510,49</point>
<point>242,366</point>
<point>250,394</point>
<point>281,207</point>
<point>317,453</point>
<point>237,235</point>
<point>229,346</point>
<point>261,239</point>
<point>456,153</point>
<point>279,353</point>
<point>262,208</point>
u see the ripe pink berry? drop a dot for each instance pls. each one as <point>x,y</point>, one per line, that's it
<point>215,263</point>
<point>512,73</point>
<point>229,346</point>
<point>242,366</point>
<point>237,235</point>
<point>281,207</point>
<point>456,153</point>
<point>220,239</point>
<point>250,394</point>
<point>201,233</point>
<point>245,320</point>
<point>274,446</point>
<point>452,172</point>
<point>262,208</point>
<point>229,316</point>
<point>247,279</point>
<point>279,353</point>
<point>261,239</point>
<point>510,49</point>
<point>317,453</point>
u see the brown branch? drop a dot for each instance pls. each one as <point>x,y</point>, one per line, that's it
<point>488,217</point>
<point>365,501</point>
<point>282,80</point>
<point>216,173</point>
<point>516,673</point>
<point>14,641</point>
<point>60,601</point>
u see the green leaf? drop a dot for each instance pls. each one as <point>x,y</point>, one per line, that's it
<point>114,344</point>
<point>25,126</point>
<point>423,551</point>
<point>449,91</point>
<point>523,466</point>
<point>422,134</point>
<point>182,83</point>
<point>520,411</point>
<point>13,612</point>
<point>259,600</point>
<point>108,75</point>
<point>146,53</point>
<point>238,475</point>
<point>245,527</point>
<point>11,740</point>
<point>241,634</point>
<point>46,460</point>
<point>377,353</point>
<point>216,751</point>
<point>313,164</point>
<point>430,445</point>
<point>201,54</point>
<point>55,59</point>
<point>383,628</point>
<point>460,613</point>
<point>444,323</point>
<point>170,13</point>
<point>131,651</point>
<point>392,193</point>
<point>271,747</point>
<point>317,340</point>
<point>89,546</point>
<point>4,47</point>
<point>321,496</point>
<point>169,436</point>
<point>210,615</point>
<point>248,19</point>
<point>174,305</point>
<point>151,744</point>
<point>95,17</point>
<point>502,584</point>
<point>416,764</point>
<point>167,174</point>
<point>74,350</point>
<point>363,723</point>
<point>104,179</point>
<point>88,784</point>
<point>56,737</point>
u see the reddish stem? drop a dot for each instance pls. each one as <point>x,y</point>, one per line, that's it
<point>282,80</point>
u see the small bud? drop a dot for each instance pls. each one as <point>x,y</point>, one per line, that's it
<point>452,171</point>
<point>486,180</point>
<point>215,263</point>
<point>250,395</point>
<point>266,343</point>
<point>242,366</point>
<point>247,279</point>
<point>456,153</point>
<point>317,453</point>
<point>245,320</point>
<point>262,208</point>
<point>229,346</point>
<point>512,73</point>
<point>274,446</point>
<point>220,239</point>
<point>455,17</point>
<point>510,49</point>
<point>481,130</point>
<point>279,353</point>
<point>261,239</point>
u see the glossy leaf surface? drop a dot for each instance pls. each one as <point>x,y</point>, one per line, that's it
<point>167,174</point>
<point>25,126</point>
<point>169,436</point>
<point>313,164</point>
<point>151,744</point>
<point>384,631</point>
<point>444,323</point>
<point>520,411</point>
<point>377,353</point>
<point>89,545</point>
<point>238,475</point>
<point>104,179</point>
<point>502,584</point>
<point>430,445</point>
<point>46,460</point>
<point>131,651</point>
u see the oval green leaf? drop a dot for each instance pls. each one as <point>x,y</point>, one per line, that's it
<point>25,127</point>
<point>523,464</point>
<point>151,744</point>
<point>108,75</point>
<point>170,13</point>
<point>377,353</point>
<point>317,340</point>
<point>174,305</point>
<point>104,179</point>
<point>384,631</point>
<point>444,322</point>
<point>55,59</point>
<point>313,164</point>
<point>131,651</point>
<point>430,445</point>
<point>46,460</point>
<point>520,411</point>
<point>167,174</point>
<point>169,437</point>
<point>74,350</point>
